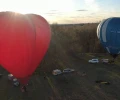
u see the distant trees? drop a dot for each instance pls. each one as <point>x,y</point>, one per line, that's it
<point>79,38</point>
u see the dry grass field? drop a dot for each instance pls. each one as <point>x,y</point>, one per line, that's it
<point>71,47</point>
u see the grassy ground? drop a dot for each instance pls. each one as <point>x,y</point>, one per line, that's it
<point>72,86</point>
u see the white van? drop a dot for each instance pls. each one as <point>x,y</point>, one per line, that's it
<point>56,72</point>
<point>93,61</point>
<point>105,60</point>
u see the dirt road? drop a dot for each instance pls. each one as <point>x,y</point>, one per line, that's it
<point>72,86</point>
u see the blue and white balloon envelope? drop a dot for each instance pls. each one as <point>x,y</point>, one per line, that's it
<point>108,32</point>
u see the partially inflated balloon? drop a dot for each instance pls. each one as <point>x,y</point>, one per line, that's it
<point>108,32</point>
<point>24,40</point>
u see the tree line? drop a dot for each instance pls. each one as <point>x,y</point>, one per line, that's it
<point>78,38</point>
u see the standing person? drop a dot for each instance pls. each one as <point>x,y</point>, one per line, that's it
<point>23,88</point>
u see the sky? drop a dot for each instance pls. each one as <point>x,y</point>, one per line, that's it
<point>65,11</point>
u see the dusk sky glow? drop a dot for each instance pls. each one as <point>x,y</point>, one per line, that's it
<point>65,11</point>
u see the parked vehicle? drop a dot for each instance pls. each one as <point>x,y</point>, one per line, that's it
<point>105,60</point>
<point>10,77</point>
<point>93,61</point>
<point>14,80</point>
<point>67,70</point>
<point>56,72</point>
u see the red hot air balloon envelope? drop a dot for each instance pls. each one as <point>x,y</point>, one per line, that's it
<point>24,40</point>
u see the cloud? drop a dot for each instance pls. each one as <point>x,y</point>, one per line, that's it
<point>75,17</point>
<point>82,10</point>
<point>92,13</point>
<point>89,1</point>
<point>54,13</point>
<point>51,13</point>
<point>53,10</point>
<point>92,5</point>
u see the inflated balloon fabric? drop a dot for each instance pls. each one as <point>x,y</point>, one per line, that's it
<point>24,40</point>
<point>108,32</point>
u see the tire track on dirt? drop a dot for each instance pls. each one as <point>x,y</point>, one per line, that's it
<point>57,95</point>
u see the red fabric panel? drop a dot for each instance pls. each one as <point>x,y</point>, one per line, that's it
<point>24,40</point>
<point>42,38</point>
